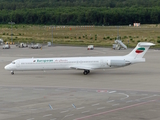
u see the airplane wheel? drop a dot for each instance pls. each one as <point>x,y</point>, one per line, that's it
<point>85,72</point>
<point>12,72</point>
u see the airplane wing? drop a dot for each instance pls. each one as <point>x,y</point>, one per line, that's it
<point>81,68</point>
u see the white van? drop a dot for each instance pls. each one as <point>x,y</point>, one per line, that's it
<point>90,47</point>
<point>6,46</point>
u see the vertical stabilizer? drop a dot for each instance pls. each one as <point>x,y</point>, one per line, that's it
<point>140,50</point>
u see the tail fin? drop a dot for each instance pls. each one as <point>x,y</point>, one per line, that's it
<point>140,50</point>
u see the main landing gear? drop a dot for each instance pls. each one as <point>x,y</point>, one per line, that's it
<point>86,72</point>
<point>12,72</point>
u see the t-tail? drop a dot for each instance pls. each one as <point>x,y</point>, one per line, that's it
<point>139,51</point>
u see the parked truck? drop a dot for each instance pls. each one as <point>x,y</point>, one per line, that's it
<point>36,46</point>
<point>6,46</point>
<point>23,45</point>
<point>90,47</point>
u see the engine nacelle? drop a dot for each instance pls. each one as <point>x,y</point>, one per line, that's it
<point>118,63</point>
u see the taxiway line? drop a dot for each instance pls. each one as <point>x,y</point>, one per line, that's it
<point>114,110</point>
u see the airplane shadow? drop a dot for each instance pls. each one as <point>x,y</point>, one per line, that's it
<point>80,73</point>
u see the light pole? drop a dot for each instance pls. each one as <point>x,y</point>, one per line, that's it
<point>11,29</point>
<point>52,34</point>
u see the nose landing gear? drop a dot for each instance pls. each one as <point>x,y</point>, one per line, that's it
<point>12,72</point>
<point>86,72</point>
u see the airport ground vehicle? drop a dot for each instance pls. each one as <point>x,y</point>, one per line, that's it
<point>49,44</point>
<point>6,46</point>
<point>23,45</point>
<point>36,46</point>
<point>9,43</point>
<point>90,47</point>
<point>1,42</point>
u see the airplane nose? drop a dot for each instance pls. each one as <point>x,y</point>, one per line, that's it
<point>7,67</point>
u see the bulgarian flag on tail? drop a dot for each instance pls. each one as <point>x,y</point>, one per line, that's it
<point>140,50</point>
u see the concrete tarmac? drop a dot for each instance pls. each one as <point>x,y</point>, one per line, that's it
<point>128,93</point>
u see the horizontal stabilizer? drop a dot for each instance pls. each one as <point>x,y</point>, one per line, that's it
<point>145,44</point>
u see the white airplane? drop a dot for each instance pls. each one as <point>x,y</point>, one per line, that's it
<point>80,63</point>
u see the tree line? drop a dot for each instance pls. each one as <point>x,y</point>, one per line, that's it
<point>80,12</point>
<point>82,16</point>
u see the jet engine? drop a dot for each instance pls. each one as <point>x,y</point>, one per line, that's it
<point>118,63</point>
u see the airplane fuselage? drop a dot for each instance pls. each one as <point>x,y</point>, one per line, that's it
<point>67,63</point>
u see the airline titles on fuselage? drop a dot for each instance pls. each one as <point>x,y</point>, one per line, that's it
<point>39,61</point>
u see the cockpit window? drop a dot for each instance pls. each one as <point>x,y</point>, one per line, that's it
<point>13,62</point>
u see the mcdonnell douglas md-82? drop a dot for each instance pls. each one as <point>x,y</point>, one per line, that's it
<point>80,63</point>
